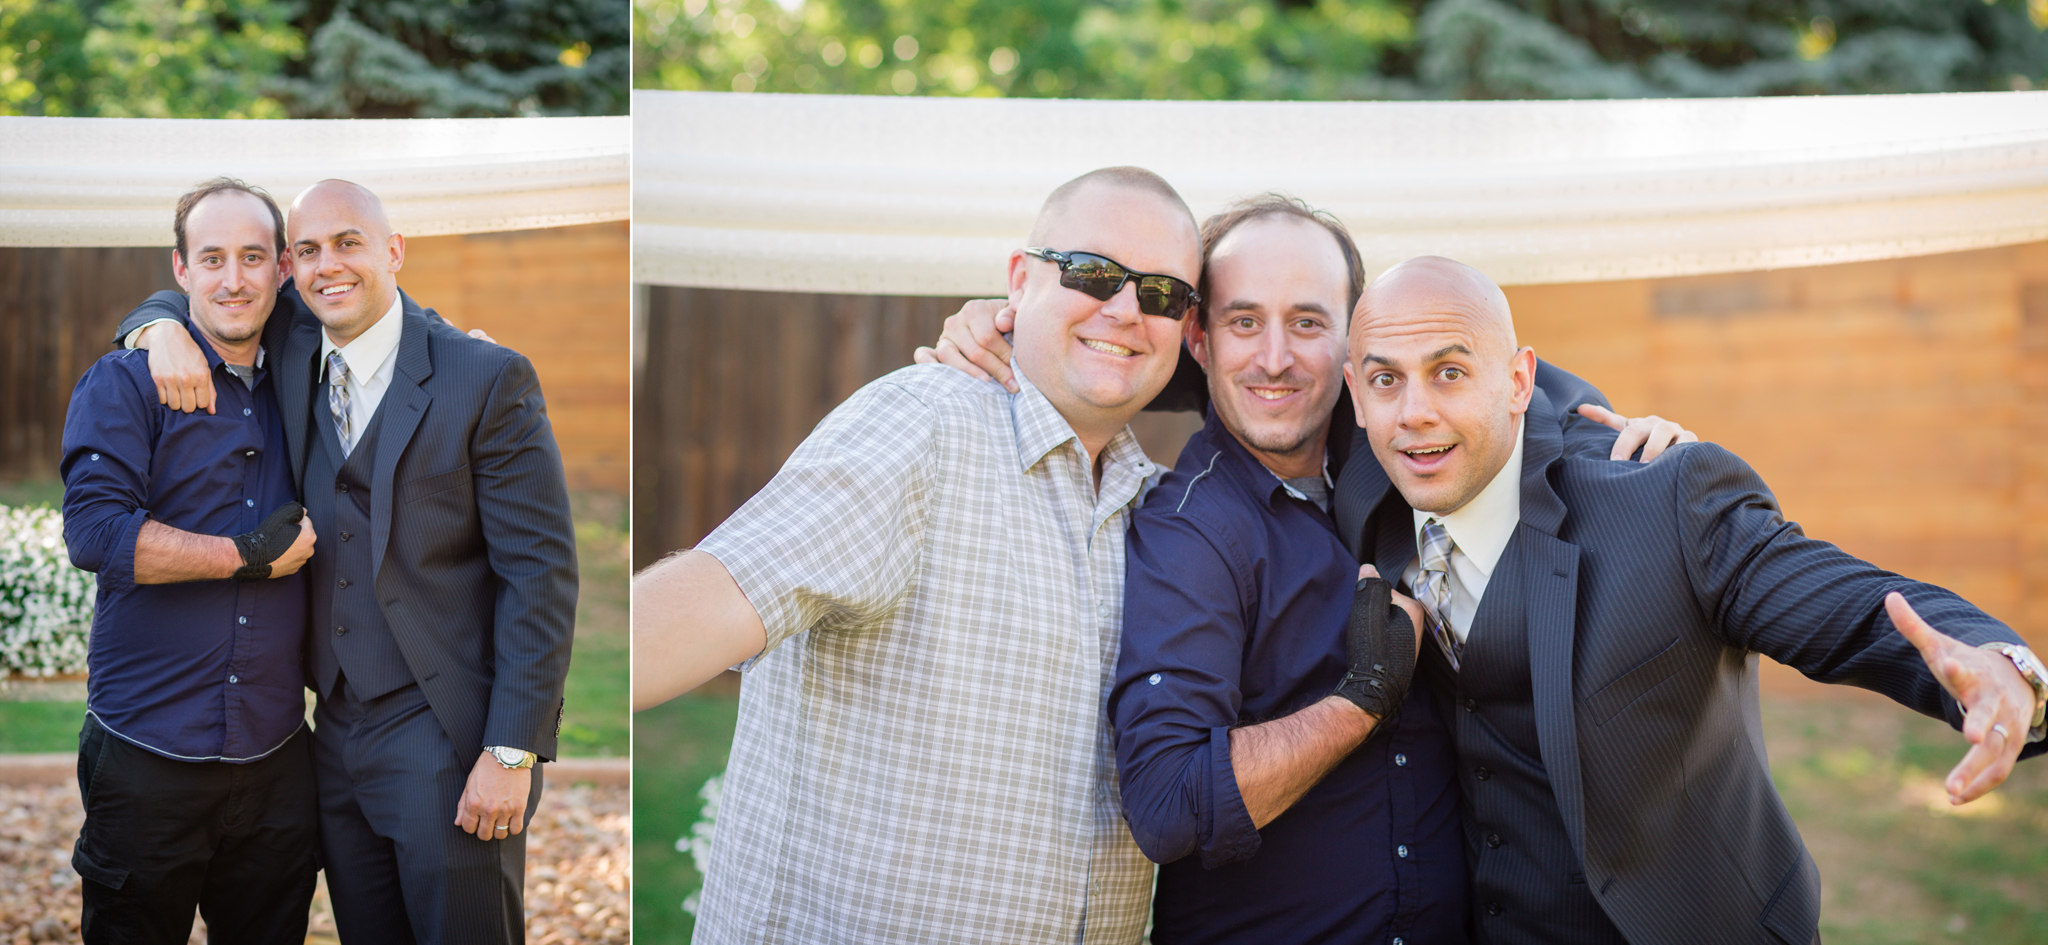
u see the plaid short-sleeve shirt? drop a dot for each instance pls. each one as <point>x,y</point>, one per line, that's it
<point>922,752</point>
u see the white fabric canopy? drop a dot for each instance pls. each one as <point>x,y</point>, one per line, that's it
<point>115,181</point>
<point>927,196</point>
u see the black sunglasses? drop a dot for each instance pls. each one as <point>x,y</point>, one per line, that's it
<point>1101,277</point>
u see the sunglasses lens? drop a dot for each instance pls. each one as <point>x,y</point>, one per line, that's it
<point>1092,274</point>
<point>1160,295</point>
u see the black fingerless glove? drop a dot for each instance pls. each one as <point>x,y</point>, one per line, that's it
<point>268,542</point>
<point>1381,644</point>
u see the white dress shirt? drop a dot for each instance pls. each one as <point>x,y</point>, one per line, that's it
<point>1479,530</point>
<point>371,362</point>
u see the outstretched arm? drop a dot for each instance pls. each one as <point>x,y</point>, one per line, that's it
<point>690,623</point>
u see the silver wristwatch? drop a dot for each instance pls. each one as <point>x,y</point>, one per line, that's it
<point>2036,676</point>
<point>511,758</point>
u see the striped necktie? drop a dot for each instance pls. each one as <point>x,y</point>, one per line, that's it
<point>337,398</point>
<point>1435,588</point>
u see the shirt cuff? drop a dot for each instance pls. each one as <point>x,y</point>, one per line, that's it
<point>1232,836</point>
<point>119,575</point>
<point>134,336</point>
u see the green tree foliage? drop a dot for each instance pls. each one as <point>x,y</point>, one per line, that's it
<point>314,58</point>
<point>1342,49</point>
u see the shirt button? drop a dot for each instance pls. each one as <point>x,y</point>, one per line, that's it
<point>1401,761</point>
<point>1402,850</point>
<point>95,457</point>
<point>1493,908</point>
<point>1153,679</point>
<point>246,411</point>
<point>1492,841</point>
<point>1102,610</point>
<point>1481,773</point>
<point>250,453</point>
<point>249,502</point>
<point>1397,940</point>
<point>234,679</point>
<point>242,620</point>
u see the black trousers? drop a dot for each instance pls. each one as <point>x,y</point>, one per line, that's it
<point>398,870</point>
<point>163,836</point>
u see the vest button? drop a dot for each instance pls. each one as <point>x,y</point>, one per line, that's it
<point>1471,705</point>
<point>1480,772</point>
<point>344,536</point>
<point>341,487</point>
<point>341,631</point>
<point>344,583</point>
<point>1493,908</point>
<point>1492,841</point>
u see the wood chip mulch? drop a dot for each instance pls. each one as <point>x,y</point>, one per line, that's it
<point>578,873</point>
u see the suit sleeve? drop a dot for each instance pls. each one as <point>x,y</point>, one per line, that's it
<point>523,506</point>
<point>1184,621</point>
<point>162,303</point>
<point>1583,438</point>
<point>1807,603</point>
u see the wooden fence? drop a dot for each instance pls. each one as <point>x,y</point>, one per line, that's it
<point>1898,409</point>
<point>559,296</point>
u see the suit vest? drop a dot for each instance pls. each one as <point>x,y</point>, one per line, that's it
<point>350,635</point>
<point>1527,884</point>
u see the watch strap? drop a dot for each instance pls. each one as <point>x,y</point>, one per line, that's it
<point>2036,675</point>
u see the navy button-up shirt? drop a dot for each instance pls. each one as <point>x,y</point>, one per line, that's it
<point>200,670</point>
<point>1236,597</point>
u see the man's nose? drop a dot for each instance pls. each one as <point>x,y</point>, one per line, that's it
<point>1275,355</point>
<point>1418,407</point>
<point>1123,306</point>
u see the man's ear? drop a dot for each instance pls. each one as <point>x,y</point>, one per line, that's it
<point>397,252</point>
<point>1522,374</point>
<point>180,273</point>
<point>1357,398</point>
<point>1198,338</point>
<point>1019,266</point>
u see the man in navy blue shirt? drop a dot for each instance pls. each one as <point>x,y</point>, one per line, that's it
<point>193,763</point>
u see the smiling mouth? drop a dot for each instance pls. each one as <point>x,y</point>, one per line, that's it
<point>334,290</point>
<point>1430,453</point>
<point>1270,393</point>
<point>1107,348</point>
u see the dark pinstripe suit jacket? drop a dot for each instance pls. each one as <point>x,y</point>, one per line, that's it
<point>470,530</point>
<point>1649,591</point>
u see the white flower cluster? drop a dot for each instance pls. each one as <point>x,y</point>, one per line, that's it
<point>45,603</point>
<point>698,843</point>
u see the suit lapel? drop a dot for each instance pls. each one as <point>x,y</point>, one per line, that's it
<point>298,371</point>
<point>1549,583</point>
<point>1361,485</point>
<point>404,405</point>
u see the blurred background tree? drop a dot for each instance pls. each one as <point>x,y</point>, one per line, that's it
<point>314,58</point>
<point>1342,49</point>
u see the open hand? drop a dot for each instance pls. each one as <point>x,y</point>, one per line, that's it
<point>972,342</point>
<point>1653,434</point>
<point>1998,705</point>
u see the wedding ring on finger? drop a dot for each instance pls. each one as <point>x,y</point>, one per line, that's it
<point>1999,727</point>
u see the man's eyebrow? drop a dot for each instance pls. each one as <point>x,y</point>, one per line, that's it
<point>1452,348</point>
<point>336,236</point>
<point>1242,304</point>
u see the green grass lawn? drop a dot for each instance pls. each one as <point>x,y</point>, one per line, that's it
<point>37,727</point>
<point>676,747</point>
<point>595,717</point>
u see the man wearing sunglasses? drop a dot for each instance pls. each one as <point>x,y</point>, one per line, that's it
<point>926,603</point>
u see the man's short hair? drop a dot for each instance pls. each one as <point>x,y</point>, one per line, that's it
<point>1133,178</point>
<point>217,185</point>
<point>1217,227</point>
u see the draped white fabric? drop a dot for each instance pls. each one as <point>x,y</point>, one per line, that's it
<point>115,181</point>
<point>927,196</point>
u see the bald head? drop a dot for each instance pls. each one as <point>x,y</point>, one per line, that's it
<point>1438,379</point>
<point>1055,210</point>
<point>345,259</point>
<point>1445,288</point>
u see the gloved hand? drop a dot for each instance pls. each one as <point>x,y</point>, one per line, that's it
<point>268,542</point>
<point>1381,642</point>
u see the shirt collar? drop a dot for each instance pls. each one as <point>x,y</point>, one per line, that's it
<point>1041,428</point>
<point>213,359</point>
<point>1481,528</point>
<point>367,353</point>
